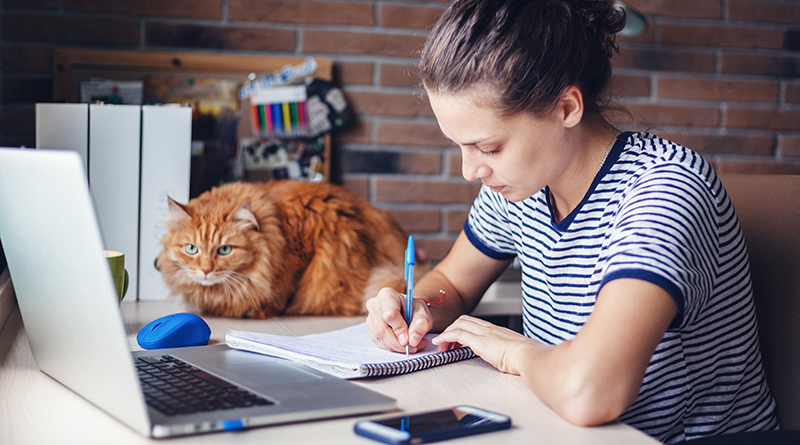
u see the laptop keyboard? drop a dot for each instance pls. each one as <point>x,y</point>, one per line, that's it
<point>175,387</point>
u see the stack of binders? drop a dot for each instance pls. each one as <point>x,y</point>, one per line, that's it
<point>135,157</point>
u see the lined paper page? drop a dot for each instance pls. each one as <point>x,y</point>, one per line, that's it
<point>347,353</point>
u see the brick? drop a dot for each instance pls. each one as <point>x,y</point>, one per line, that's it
<point>629,86</point>
<point>411,133</point>
<point>414,17</point>
<point>419,220</point>
<point>27,59</point>
<point>764,11</point>
<point>18,120</point>
<point>789,146</point>
<point>454,157</point>
<point>218,37</point>
<point>729,166</point>
<point>353,73</point>
<point>456,220</point>
<point>721,90</point>
<point>665,60</point>
<point>359,185</point>
<point>435,248</point>
<point>46,28</point>
<point>721,36</point>
<point>357,132</point>
<point>356,161</point>
<point>679,116</point>
<point>302,11</point>
<point>193,9</point>
<point>25,89</point>
<point>399,76</point>
<point>398,190</point>
<point>708,9</point>
<point>760,65</point>
<point>374,44</point>
<point>381,104</point>
<point>791,94</point>
<point>32,4</point>
<point>706,144</point>
<point>762,119</point>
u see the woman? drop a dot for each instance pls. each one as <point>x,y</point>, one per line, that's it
<point>636,292</point>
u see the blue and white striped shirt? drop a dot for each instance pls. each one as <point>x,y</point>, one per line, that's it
<point>657,212</point>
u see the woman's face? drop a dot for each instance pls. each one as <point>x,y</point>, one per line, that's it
<point>514,155</point>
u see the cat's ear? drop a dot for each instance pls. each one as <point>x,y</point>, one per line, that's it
<point>177,212</point>
<point>244,215</point>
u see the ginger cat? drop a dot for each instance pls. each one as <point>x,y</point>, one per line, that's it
<point>257,250</point>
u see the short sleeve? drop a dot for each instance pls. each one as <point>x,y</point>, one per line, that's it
<point>666,232</point>
<point>488,227</point>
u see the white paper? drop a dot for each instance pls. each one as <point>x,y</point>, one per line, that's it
<point>350,346</point>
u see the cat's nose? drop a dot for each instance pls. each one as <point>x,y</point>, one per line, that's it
<point>207,271</point>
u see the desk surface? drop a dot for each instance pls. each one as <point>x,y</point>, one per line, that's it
<point>35,409</point>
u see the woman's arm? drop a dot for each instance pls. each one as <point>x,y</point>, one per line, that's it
<point>594,377</point>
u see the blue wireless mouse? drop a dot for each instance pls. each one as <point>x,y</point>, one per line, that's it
<point>174,331</point>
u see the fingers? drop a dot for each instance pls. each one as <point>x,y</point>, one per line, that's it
<point>463,331</point>
<point>387,325</point>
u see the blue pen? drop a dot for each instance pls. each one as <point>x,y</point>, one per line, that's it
<point>409,284</point>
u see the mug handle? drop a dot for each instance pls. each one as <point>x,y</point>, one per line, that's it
<point>125,285</point>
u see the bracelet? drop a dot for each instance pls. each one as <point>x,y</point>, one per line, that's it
<point>435,304</point>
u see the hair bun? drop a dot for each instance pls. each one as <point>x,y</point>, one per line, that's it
<point>602,19</point>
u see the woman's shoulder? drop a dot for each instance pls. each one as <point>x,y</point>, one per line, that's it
<point>646,156</point>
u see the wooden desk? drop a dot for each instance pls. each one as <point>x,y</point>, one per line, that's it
<point>35,409</point>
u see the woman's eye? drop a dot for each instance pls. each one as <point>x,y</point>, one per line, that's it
<point>224,250</point>
<point>191,249</point>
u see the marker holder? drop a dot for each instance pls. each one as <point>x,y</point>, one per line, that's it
<point>279,112</point>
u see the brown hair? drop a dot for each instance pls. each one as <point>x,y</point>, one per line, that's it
<point>526,51</point>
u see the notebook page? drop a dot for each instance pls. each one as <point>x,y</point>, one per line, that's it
<point>350,347</point>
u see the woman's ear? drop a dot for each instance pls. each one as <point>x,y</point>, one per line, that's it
<point>571,107</point>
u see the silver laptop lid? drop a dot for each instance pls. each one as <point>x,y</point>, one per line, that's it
<point>63,284</point>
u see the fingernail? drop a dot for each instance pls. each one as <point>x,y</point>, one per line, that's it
<point>402,338</point>
<point>414,339</point>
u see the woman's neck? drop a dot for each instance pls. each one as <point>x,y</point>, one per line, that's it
<point>590,152</point>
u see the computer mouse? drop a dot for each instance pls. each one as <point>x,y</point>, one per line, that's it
<point>174,331</point>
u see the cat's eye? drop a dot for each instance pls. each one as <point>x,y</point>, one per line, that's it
<point>191,249</point>
<point>224,250</point>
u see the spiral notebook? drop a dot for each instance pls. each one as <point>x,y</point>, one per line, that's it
<point>347,353</point>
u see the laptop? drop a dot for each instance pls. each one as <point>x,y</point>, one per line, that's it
<point>69,305</point>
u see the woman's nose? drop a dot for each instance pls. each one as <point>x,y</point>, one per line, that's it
<point>472,167</point>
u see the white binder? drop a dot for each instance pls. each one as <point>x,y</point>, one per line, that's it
<point>114,180</point>
<point>166,156</point>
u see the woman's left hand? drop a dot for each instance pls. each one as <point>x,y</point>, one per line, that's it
<point>497,345</point>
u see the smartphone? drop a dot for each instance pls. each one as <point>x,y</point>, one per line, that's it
<point>432,426</point>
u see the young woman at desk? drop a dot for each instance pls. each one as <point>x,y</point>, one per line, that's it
<point>636,294</point>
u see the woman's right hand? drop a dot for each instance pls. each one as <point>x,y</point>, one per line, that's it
<point>387,325</point>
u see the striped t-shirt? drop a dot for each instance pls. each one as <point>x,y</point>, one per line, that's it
<point>657,212</point>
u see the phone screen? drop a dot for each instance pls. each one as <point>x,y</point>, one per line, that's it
<point>433,426</point>
<point>455,418</point>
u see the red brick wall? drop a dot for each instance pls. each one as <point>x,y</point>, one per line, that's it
<point>720,76</point>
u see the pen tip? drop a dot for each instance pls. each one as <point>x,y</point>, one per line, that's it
<point>406,350</point>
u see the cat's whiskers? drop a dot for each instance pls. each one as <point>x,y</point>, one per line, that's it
<point>242,285</point>
<point>246,282</point>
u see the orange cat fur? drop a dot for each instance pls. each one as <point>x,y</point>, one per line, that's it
<point>285,247</point>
